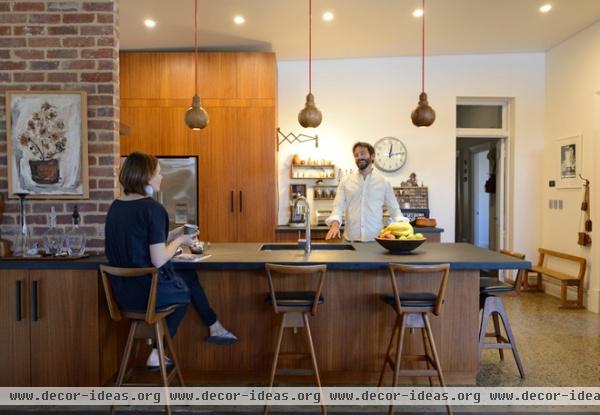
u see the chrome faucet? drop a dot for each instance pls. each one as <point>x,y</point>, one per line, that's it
<point>306,239</point>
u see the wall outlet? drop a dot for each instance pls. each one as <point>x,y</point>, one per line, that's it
<point>551,183</point>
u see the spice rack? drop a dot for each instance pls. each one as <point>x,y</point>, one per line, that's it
<point>312,171</point>
<point>324,192</point>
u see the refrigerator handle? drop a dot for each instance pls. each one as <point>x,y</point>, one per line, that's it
<point>232,201</point>
<point>241,199</point>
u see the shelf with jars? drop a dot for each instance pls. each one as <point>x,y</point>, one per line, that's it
<point>321,192</point>
<point>312,171</point>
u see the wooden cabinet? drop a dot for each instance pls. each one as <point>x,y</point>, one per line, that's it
<point>236,151</point>
<point>49,328</point>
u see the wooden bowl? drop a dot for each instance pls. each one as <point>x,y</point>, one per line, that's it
<point>399,246</point>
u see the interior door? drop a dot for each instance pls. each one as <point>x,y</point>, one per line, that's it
<point>64,328</point>
<point>14,328</point>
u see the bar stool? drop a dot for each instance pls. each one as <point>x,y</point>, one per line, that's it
<point>491,291</point>
<point>412,312</point>
<point>295,306</point>
<point>144,325</point>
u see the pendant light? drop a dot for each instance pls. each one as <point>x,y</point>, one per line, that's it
<point>423,115</point>
<point>196,117</point>
<point>310,116</point>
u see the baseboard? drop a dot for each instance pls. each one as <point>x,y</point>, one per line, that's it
<point>591,298</point>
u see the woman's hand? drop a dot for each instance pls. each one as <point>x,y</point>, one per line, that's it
<point>189,240</point>
<point>175,233</point>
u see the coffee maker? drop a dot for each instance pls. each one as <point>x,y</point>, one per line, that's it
<point>298,211</point>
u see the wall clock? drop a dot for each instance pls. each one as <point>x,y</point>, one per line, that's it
<point>390,154</point>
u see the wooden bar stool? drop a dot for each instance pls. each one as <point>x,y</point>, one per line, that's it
<point>149,324</point>
<point>412,312</point>
<point>491,291</point>
<point>295,306</point>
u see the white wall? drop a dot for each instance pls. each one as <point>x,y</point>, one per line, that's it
<point>366,99</point>
<point>573,107</point>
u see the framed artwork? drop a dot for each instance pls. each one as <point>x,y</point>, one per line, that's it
<point>47,144</point>
<point>297,188</point>
<point>569,153</point>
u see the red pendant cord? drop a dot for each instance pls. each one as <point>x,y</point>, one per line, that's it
<point>309,46</point>
<point>423,47</point>
<point>196,46</point>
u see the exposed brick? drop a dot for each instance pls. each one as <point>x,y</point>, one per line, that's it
<point>62,77</point>
<point>44,18</point>
<point>28,77</point>
<point>13,42</point>
<point>105,18</point>
<point>64,219</point>
<point>105,41</point>
<point>29,30</point>
<point>42,87</point>
<point>28,7</point>
<point>62,30</point>
<point>106,65</point>
<point>81,207</point>
<point>106,89</point>
<point>11,65</point>
<point>58,6</point>
<point>89,88</point>
<point>91,219</point>
<point>8,220</point>
<point>4,7</point>
<point>102,125</point>
<point>4,54</point>
<point>5,77</point>
<point>40,207</point>
<point>91,113</point>
<point>102,171</point>
<point>5,30</point>
<point>78,42</point>
<point>95,243</point>
<point>61,54</point>
<point>43,65</point>
<point>106,183</point>
<point>106,160</point>
<point>96,30</point>
<point>102,195</point>
<point>43,42</point>
<point>93,183</point>
<point>97,77</point>
<point>106,136</point>
<point>37,219</point>
<point>97,53</point>
<point>106,112</point>
<point>100,100</point>
<point>78,17</point>
<point>92,162</point>
<point>13,18</point>
<point>98,6</point>
<point>78,64</point>
<point>11,207</point>
<point>101,148</point>
<point>29,54</point>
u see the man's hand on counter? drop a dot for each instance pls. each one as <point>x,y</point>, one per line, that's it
<point>334,231</point>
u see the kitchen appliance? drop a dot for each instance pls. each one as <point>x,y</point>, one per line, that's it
<point>179,189</point>
<point>298,212</point>
<point>321,216</point>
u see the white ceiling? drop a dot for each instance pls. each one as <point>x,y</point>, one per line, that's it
<point>361,28</point>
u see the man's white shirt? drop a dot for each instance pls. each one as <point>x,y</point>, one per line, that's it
<point>362,200</point>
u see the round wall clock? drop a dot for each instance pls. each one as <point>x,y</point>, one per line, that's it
<point>390,154</point>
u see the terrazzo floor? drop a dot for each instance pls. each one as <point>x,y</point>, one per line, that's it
<point>557,347</point>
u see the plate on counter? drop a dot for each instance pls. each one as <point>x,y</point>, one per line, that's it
<point>400,246</point>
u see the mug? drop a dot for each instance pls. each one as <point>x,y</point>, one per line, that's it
<point>189,229</point>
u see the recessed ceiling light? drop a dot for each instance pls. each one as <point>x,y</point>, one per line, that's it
<point>149,23</point>
<point>418,13</point>
<point>239,20</point>
<point>546,8</point>
<point>328,16</point>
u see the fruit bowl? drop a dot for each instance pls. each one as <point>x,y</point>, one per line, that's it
<point>400,245</point>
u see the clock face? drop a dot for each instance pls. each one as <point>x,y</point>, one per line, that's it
<point>390,154</point>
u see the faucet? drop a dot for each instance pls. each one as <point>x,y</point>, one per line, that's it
<point>306,239</point>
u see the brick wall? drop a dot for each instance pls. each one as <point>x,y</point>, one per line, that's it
<point>65,45</point>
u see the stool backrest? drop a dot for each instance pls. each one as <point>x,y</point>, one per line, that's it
<point>521,274</point>
<point>282,271</point>
<point>115,313</point>
<point>441,271</point>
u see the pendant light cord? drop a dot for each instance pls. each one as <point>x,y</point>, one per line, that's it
<point>196,46</point>
<point>423,47</point>
<point>309,46</point>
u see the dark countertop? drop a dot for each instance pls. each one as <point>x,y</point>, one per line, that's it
<point>286,228</point>
<point>367,256</point>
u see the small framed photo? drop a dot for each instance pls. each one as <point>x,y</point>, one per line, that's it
<point>569,154</point>
<point>47,144</point>
<point>297,188</point>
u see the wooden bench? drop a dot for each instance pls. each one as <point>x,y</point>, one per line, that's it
<point>565,279</point>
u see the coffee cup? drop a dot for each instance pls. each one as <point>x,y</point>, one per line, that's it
<point>189,229</point>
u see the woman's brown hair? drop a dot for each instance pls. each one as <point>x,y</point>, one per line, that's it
<point>136,172</point>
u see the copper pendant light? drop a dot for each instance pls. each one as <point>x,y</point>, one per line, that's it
<point>310,116</point>
<point>423,115</point>
<point>196,117</point>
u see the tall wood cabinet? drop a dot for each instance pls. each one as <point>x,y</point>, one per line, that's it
<point>49,332</point>
<point>236,151</point>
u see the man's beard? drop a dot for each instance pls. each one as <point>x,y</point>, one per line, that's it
<point>363,164</point>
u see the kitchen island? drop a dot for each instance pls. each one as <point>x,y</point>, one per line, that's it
<point>350,330</point>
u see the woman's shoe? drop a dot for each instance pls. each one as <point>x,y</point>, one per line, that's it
<point>226,338</point>
<point>153,363</point>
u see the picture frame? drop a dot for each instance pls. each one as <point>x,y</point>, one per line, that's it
<point>297,188</point>
<point>47,147</point>
<point>569,154</point>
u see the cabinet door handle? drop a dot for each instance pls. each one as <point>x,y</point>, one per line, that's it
<point>241,199</point>
<point>232,201</point>
<point>34,300</point>
<point>18,297</point>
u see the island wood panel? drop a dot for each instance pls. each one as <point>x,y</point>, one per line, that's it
<point>14,334</point>
<point>351,330</point>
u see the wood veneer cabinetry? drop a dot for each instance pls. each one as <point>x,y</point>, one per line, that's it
<point>236,152</point>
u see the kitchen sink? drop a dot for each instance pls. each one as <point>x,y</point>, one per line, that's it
<point>315,247</point>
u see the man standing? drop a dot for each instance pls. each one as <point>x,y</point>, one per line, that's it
<point>362,196</point>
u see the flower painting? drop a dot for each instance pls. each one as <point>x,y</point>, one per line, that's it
<point>47,144</point>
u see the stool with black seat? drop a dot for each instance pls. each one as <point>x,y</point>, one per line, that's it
<point>295,307</point>
<point>145,324</point>
<point>491,291</point>
<point>412,312</point>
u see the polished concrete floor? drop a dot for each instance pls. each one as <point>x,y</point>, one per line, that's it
<point>557,347</point>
